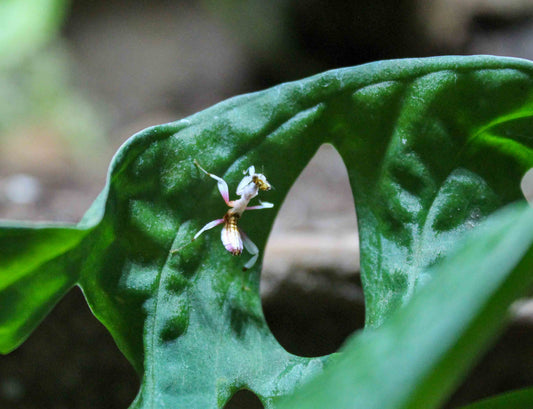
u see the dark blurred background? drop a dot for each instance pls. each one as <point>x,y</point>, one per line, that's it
<point>78,77</point>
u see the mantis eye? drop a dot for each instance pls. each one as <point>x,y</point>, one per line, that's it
<point>261,182</point>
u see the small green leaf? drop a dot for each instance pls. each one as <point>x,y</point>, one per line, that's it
<point>521,399</point>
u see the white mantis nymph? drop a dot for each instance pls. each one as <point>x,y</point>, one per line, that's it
<point>233,238</point>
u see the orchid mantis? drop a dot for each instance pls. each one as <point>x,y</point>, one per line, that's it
<point>233,238</point>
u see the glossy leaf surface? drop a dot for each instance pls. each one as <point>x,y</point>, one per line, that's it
<point>432,148</point>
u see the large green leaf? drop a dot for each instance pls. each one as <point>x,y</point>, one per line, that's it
<point>432,147</point>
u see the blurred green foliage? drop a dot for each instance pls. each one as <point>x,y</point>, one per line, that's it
<point>26,26</point>
<point>37,88</point>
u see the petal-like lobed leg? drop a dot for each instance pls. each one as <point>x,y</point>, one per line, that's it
<point>250,248</point>
<point>243,183</point>
<point>250,170</point>
<point>208,226</point>
<point>221,184</point>
<point>261,205</point>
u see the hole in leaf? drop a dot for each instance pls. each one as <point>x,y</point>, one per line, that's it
<point>310,286</point>
<point>244,399</point>
<point>527,186</point>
